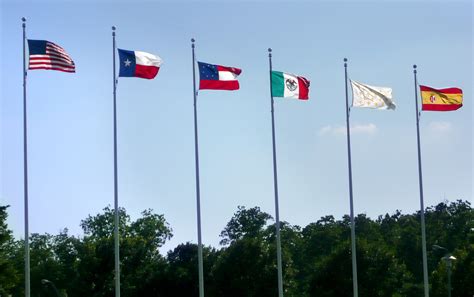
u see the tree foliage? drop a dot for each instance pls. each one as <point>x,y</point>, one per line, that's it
<point>9,276</point>
<point>316,258</point>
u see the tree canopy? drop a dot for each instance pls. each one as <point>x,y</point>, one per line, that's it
<point>316,257</point>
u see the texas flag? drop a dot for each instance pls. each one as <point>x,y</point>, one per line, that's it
<point>216,77</point>
<point>138,64</point>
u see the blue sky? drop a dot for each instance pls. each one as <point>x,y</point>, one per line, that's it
<point>70,115</point>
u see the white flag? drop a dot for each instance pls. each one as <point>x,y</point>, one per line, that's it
<point>371,97</point>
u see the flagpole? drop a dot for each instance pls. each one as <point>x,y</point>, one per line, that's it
<point>275,184</point>
<point>420,178</point>
<point>25,169</point>
<point>116,208</point>
<point>349,161</point>
<point>198,191</point>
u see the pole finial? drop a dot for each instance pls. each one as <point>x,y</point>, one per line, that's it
<point>193,40</point>
<point>269,49</point>
<point>23,19</point>
<point>414,66</point>
<point>345,62</point>
<point>113,28</point>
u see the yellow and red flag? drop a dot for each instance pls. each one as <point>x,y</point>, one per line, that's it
<point>440,99</point>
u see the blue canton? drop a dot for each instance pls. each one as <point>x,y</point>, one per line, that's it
<point>208,71</point>
<point>127,63</point>
<point>37,47</point>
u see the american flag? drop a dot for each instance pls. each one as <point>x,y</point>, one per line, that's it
<point>47,55</point>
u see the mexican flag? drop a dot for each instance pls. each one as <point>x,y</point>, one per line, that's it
<point>289,86</point>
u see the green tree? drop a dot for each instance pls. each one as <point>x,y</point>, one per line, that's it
<point>182,275</point>
<point>85,267</point>
<point>247,267</point>
<point>452,227</point>
<point>9,276</point>
<point>245,222</point>
<point>316,258</point>
<point>319,240</point>
<point>463,272</point>
<point>142,264</point>
<point>379,272</point>
<point>291,246</point>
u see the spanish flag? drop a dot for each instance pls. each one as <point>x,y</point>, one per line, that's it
<point>440,100</point>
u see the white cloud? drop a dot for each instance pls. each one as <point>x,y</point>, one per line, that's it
<point>340,130</point>
<point>440,127</point>
<point>325,130</point>
<point>364,129</point>
<point>368,129</point>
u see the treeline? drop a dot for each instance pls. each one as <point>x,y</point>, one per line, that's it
<point>316,258</point>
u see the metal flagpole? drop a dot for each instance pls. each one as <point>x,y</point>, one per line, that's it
<point>275,183</point>
<point>116,208</point>
<point>422,206</point>
<point>353,238</point>
<point>198,192</point>
<point>25,169</point>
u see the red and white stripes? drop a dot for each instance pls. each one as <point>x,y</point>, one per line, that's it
<point>55,58</point>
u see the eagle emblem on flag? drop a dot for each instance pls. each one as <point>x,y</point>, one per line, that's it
<point>291,84</point>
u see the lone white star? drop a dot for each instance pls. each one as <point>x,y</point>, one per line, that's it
<point>127,63</point>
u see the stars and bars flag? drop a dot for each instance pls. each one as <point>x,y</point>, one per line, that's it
<point>50,56</point>
<point>217,77</point>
